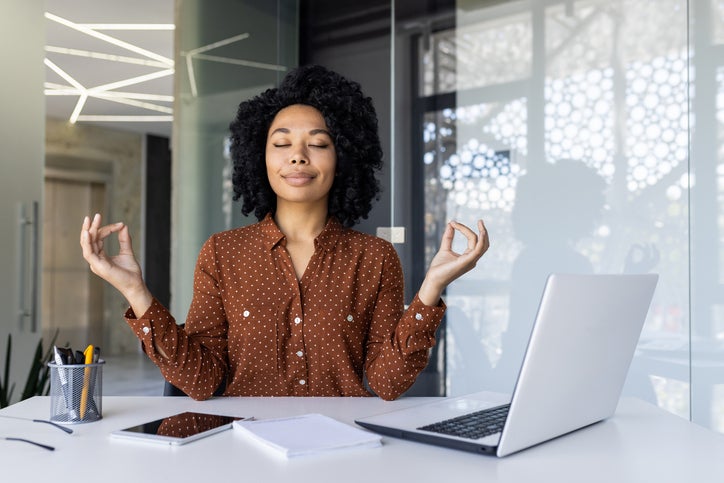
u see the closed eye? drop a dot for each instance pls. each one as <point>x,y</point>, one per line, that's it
<point>322,146</point>
<point>282,145</point>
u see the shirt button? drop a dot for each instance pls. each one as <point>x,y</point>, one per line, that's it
<point>300,353</point>
<point>302,382</point>
<point>297,320</point>
<point>146,330</point>
<point>418,316</point>
<point>246,313</point>
<point>350,318</point>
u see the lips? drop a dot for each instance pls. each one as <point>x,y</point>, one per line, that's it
<point>298,178</point>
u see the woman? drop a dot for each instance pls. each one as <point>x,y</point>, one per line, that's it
<point>296,304</point>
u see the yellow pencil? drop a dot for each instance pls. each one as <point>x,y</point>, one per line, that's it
<point>88,354</point>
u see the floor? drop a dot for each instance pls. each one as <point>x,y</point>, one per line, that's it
<point>131,375</point>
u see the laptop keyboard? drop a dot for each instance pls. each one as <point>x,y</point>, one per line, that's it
<point>474,425</point>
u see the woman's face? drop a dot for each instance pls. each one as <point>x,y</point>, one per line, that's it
<point>300,156</point>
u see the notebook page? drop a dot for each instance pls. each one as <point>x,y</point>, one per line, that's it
<point>306,434</point>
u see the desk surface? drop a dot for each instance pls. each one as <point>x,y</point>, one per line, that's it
<point>640,443</point>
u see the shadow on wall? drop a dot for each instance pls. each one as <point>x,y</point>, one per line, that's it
<point>557,204</point>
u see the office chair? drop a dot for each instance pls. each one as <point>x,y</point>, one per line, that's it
<point>171,390</point>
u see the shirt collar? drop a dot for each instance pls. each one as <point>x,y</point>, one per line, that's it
<point>327,239</point>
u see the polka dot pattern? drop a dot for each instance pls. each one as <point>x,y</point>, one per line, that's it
<point>254,325</point>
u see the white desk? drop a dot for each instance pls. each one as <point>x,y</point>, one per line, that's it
<point>640,444</point>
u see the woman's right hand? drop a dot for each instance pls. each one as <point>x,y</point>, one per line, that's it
<point>122,271</point>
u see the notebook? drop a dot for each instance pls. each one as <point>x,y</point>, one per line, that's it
<point>575,365</point>
<point>307,434</point>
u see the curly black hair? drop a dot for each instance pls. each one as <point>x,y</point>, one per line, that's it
<point>352,121</point>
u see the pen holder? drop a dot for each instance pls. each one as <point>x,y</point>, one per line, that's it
<point>76,392</point>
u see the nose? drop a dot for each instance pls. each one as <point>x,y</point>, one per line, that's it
<point>299,155</point>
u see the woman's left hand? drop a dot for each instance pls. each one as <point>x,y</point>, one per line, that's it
<point>448,265</point>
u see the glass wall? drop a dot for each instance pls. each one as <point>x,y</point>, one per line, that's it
<point>587,134</point>
<point>226,51</point>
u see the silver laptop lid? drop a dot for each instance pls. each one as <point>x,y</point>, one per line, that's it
<point>579,352</point>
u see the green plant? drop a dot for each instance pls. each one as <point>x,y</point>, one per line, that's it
<point>6,389</point>
<point>37,382</point>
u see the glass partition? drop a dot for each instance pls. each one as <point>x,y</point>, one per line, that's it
<point>227,51</point>
<point>587,134</point>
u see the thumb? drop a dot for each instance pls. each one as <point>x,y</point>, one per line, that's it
<point>124,240</point>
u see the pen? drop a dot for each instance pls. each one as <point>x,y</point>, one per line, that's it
<point>62,428</point>
<point>61,359</point>
<point>96,358</point>
<point>40,445</point>
<point>88,353</point>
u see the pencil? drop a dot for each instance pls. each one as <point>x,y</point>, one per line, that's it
<point>88,353</point>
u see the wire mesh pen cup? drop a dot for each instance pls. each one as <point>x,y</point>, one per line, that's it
<point>76,392</point>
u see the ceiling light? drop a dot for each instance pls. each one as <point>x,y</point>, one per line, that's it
<point>161,65</point>
<point>64,75</point>
<point>78,107</point>
<point>127,118</point>
<point>144,105</point>
<point>133,80</point>
<point>102,56</point>
<point>109,39</point>
<point>128,26</point>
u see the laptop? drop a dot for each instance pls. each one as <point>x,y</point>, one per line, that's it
<point>582,343</point>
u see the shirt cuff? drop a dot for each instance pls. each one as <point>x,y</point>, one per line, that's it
<point>151,326</point>
<point>418,326</point>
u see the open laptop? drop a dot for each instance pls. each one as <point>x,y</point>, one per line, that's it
<point>574,368</point>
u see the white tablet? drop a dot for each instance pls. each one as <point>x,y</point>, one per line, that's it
<point>178,429</point>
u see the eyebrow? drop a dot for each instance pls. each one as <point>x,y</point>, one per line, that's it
<point>313,132</point>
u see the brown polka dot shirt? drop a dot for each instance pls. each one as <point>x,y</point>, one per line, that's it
<point>255,326</point>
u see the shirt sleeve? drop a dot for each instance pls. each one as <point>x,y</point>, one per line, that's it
<point>197,353</point>
<point>399,340</point>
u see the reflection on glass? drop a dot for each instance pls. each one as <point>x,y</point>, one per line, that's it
<point>573,144</point>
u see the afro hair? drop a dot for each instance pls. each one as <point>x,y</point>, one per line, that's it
<point>352,121</point>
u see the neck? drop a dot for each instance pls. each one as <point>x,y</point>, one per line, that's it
<point>300,222</point>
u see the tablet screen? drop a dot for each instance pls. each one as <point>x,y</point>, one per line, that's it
<point>179,428</point>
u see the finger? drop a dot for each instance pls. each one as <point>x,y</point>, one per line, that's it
<point>447,238</point>
<point>104,231</point>
<point>124,240</point>
<point>95,222</point>
<point>84,228</point>
<point>87,241</point>
<point>483,239</point>
<point>469,234</point>
<point>471,256</point>
<point>93,232</point>
<point>89,254</point>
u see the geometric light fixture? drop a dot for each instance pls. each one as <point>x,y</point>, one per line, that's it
<point>160,66</point>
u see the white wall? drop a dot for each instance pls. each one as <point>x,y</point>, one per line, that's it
<point>22,130</point>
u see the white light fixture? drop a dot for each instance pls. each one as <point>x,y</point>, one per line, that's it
<point>128,26</point>
<point>109,39</point>
<point>102,56</point>
<point>126,118</point>
<point>108,91</point>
